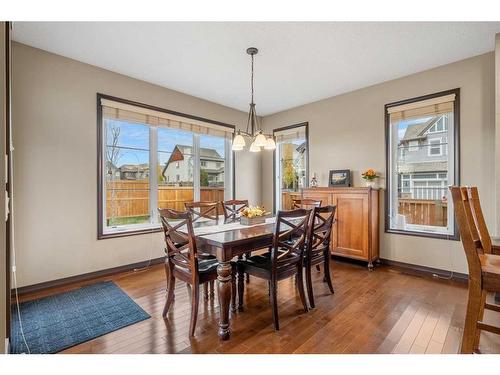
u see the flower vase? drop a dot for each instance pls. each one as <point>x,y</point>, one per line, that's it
<point>371,183</point>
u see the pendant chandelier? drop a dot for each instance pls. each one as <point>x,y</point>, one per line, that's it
<point>253,132</point>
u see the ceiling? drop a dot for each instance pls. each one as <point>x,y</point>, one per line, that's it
<point>298,62</point>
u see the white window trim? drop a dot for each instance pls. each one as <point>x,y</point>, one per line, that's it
<point>153,180</point>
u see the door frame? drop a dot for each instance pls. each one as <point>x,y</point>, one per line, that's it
<point>301,124</point>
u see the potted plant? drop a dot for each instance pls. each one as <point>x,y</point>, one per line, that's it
<point>253,215</point>
<point>370,177</point>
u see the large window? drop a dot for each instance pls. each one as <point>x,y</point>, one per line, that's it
<point>152,158</point>
<point>291,164</point>
<point>422,161</point>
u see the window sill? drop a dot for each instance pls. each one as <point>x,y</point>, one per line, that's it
<point>441,236</point>
<point>128,231</point>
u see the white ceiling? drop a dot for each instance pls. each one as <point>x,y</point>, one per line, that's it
<point>298,62</point>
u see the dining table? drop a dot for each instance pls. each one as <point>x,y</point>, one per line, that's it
<point>225,241</point>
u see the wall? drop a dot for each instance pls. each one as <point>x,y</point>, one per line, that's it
<point>347,132</point>
<point>54,120</point>
<point>497,128</point>
<point>3,250</point>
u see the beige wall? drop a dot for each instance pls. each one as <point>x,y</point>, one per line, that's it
<point>347,132</point>
<point>3,250</point>
<point>54,119</point>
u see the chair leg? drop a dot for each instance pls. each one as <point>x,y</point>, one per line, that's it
<point>480,318</point>
<point>300,286</point>
<point>241,288</point>
<point>309,286</point>
<point>473,310</point>
<point>212,289</point>
<point>195,294</point>
<point>274,303</point>
<point>248,255</point>
<point>318,268</point>
<point>170,294</point>
<point>205,292</point>
<point>328,278</point>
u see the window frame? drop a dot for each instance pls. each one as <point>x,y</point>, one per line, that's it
<point>306,126</point>
<point>456,163</point>
<point>139,229</point>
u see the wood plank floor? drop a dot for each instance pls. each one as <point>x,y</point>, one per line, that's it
<point>384,311</point>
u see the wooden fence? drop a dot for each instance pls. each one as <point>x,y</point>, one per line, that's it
<point>125,199</point>
<point>424,212</point>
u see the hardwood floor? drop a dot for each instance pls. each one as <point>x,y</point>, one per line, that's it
<point>384,311</point>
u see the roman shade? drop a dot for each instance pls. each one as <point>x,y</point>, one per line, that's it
<point>290,134</point>
<point>424,108</point>
<point>142,115</point>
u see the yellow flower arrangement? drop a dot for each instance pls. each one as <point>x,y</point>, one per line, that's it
<point>253,211</point>
<point>370,174</point>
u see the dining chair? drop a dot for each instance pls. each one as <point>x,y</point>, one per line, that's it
<point>182,262</point>
<point>484,267</point>
<point>317,250</point>
<point>232,209</point>
<point>305,203</point>
<point>209,211</point>
<point>284,260</point>
<point>203,210</point>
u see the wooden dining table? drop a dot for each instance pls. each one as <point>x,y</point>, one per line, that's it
<point>226,241</point>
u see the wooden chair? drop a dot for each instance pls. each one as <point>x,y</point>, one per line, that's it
<point>233,208</point>
<point>318,246</point>
<point>182,262</point>
<point>203,210</point>
<point>210,212</point>
<point>305,203</point>
<point>284,260</point>
<point>484,267</point>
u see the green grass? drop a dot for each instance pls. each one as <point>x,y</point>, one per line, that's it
<point>128,220</point>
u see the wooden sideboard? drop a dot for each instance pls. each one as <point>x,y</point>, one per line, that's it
<point>356,230</point>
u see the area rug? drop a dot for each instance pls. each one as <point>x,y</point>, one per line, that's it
<point>57,322</point>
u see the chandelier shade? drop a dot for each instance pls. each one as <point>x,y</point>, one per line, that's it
<point>270,144</point>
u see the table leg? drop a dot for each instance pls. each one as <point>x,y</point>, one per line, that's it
<point>224,271</point>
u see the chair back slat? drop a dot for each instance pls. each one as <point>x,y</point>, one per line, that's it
<point>477,212</point>
<point>305,203</point>
<point>289,237</point>
<point>206,210</point>
<point>232,208</point>
<point>468,231</point>
<point>320,229</point>
<point>180,246</point>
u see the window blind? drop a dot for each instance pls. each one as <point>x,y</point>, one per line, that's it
<point>290,134</point>
<point>131,113</point>
<point>424,108</point>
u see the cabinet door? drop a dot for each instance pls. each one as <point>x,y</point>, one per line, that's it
<point>350,232</point>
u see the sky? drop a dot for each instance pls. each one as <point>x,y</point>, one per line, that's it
<point>405,123</point>
<point>137,136</point>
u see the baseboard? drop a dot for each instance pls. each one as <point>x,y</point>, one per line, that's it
<point>426,271</point>
<point>85,277</point>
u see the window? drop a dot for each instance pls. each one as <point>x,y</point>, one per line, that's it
<point>435,148</point>
<point>291,163</point>
<point>151,158</point>
<point>417,194</point>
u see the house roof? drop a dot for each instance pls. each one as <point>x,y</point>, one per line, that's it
<point>134,167</point>
<point>417,131</point>
<point>205,153</point>
<point>438,166</point>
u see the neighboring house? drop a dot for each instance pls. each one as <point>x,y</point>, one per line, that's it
<point>423,160</point>
<point>134,172</point>
<point>179,168</point>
